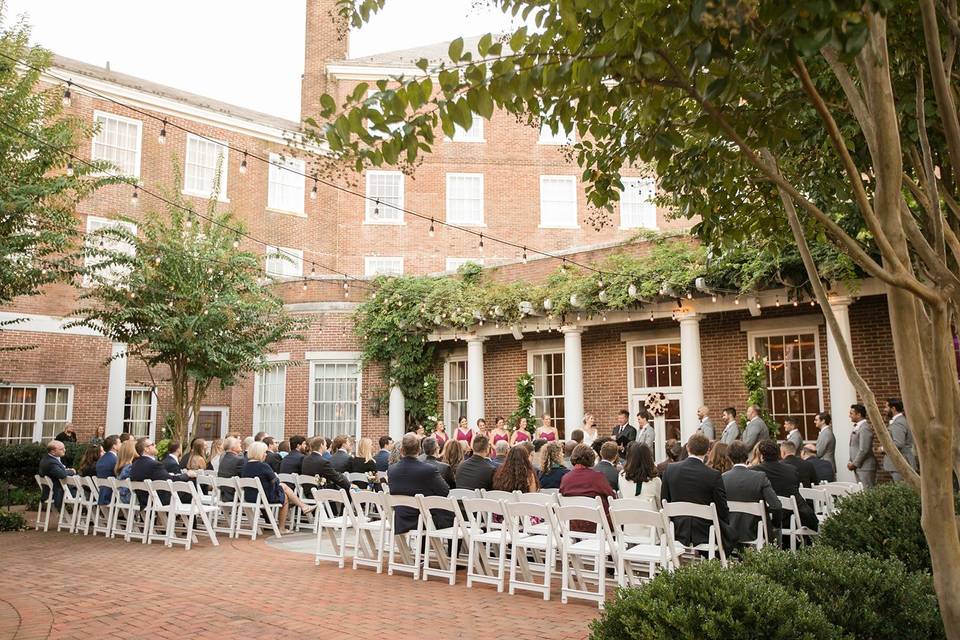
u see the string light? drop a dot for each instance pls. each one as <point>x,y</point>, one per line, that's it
<point>777,301</point>
<point>431,228</point>
<point>632,290</point>
<point>689,296</point>
<point>713,298</point>
<point>162,138</point>
<point>737,301</point>
<point>313,191</point>
<point>243,163</point>
<point>67,98</point>
<point>69,168</point>
<point>304,285</point>
<point>481,243</point>
<point>795,303</point>
<point>651,316</point>
<point>524,255</point>
<point>376,208</point>
<point>135,198</point>
<point>813,303</point>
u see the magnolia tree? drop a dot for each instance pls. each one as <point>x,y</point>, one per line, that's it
<point>769,123</point>
<point>186,301</point>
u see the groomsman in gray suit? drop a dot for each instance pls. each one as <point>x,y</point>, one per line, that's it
<point>826,441</point>
<point>756,430</point>
<point>902,437</point>
<point>731,432</point>
<point>646,435</point>
<point>862,462</point>
<point>706,424</point>
<point>792,427</point>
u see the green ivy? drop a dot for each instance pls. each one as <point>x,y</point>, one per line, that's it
<point>754,379</point>
<point>524,404</point>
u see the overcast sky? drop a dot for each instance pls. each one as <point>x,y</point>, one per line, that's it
<point>240,51</point>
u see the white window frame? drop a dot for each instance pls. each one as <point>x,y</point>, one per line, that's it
<point>448,417</point>
<point>224,168</point>
<point>152,430</point>
<point>449,193</point>
<point>544,223</point>
<point>323,358</point>
<point>91,221</point>
<point>138,151</point>
<point>286,173</point>
<point>295,263</point>
<point>452,264</point>
<point>36,434</point>
<point>635,186</point>
<point>473,134</point>
<point>370,270</point>
<point>258,423</point>
<point>552,350</point>
<point>372,202</point>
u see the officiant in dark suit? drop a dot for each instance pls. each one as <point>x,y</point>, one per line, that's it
<point>624,432</point>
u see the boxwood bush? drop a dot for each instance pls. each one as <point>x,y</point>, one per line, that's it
<point>705,601</point>
<point>19,462</point>
<point>883,522</point>
<point>866,597</point>
<point>12,521</point>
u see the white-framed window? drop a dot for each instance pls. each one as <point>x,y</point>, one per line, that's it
<point>205,158</point>
<point>637,208</point>
<point>455,263</point>
<point>794,380</point>
<point>108,272</point>
<point>558,201</point>
<point>34,413</point>
<point>547,370</point>
<point>455,390</point>
<point>118,141</point>
<point>473,134</point>
<point>334,398</point>
<point>269,400</point>
<point>465,198</point>
<point>382,266</point>
<point>385,197</point>
<point>285,187</point>
<point>284,262</point>
<point>653,365</point>
<point>140,412</point>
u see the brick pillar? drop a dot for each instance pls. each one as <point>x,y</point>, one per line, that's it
<point>327,40</point>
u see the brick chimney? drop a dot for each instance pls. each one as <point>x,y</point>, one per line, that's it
<point>327,39</point>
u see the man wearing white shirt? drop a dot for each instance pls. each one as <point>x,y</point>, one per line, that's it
<point>902,438</point>
<point>706,424</point>
<point>646,434</point>
<point>731,432</point>
<point>862,462</point>
<point>793,433</point>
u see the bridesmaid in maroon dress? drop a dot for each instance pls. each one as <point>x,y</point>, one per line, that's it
<point>547,431</point>
<point>520,434</point>
<point>440,433</point>
<point>499,432</point>
<point>464,432</point>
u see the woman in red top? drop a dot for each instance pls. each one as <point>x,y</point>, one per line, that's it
<point>464,432</point>
<point>440,434</point>
<point>520,434</point>
<point>547,431</point>
<point>583,480</point>
<point>499,432</point>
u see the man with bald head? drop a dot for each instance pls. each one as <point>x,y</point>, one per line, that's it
<point>409,477</point>
<point>706,424</point>
<point>51,467</point>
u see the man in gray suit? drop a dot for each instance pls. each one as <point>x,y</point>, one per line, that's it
<point>646,434</point>
<point>862,462</point>
<point>731,432</point>
<point>756,430</point>
<point>902,437</point>
<point>706,424</point>
<point>792,427</point>
<point>743,484</point>
<point>826,441</point>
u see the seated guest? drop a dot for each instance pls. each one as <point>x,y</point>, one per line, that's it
<point>639,478</point>
<point>275,491</point>
<point>598,443</point>
<point>283,448</point>
<point>822,466</point>
<point>185,455</point>
<point>125,436</point>
<point>743,484</point>
<point>314,464</point>
<point>674,449</point>
<point>69,434</point>
<point>552,468</point>
<point>383,456</point>
<point>516,473</point>
<point>453,458</point>
<point>294,460</point>
<point>717,458</point>
<point>584,481</point>
<point>231,462</point>
<point>363,462</point>
<point>806,472</point>
<point>197,458</point>
<point>609,456</point>
<point>273,453</point>
<point>246,445</point>
<point>98,435</point>
<point>500,453</point>
<point>410,477</point>
<point>106,465</point>
<point>340,454</point>
<point>88,461</point>
<point>128,453</point>
<point>259,436</point>
<point>476,472</point>
<point>785,481</point>
<point>170,461</point>
<point>147,467</point>
<point>430,449</point>
<point>568,447</point>
<point>216,452</point>
<point>51,467</point>
<point>693,481</point>
<point>577,436</point>
<point>537,448</point>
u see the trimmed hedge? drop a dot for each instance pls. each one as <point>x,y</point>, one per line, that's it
<point>19,462</point>
<point>12,521</point>
<point>867,597</point>
<point>706,601</point>
<point>884,522</point>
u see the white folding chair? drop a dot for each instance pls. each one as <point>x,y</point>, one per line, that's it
<point>305,486</point>
<point>795,530</point>
<point>207,488</point>
<point>119,508</point>
<point>483,563</point>
<point>851,487</point>
<point>162,516</point>
<point>357,477</point>
<point>225,518</point>
<point>580,501</point>
<point>533,545</point>
<point>46,504</point>
<point>714,544</point>
<point>406,544</point>
<point>437,539</point>
<point>655,552</point>
<point>188,514</point>
<point>88,503</point>
<point>583,554</point>
<point>545,499</point>
<point>822,505</point>
<point>553,491</point>
<point>293,511</point>
<point>71,505</point>
<point>249,510</point>
<point>103,513</point>
<point>758,509</point>
<point>502,496</point>
<point>371,524</point>
<point>141,506</point>
<point>460,494</point>
<point>331,525</point>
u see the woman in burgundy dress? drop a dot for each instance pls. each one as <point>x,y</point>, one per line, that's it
<point>583,480</point>
<point>464,432</point>
<point>547,431</point>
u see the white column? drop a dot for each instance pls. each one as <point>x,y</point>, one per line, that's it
<point>691,371</point>
<point>572,379</point>
<point>116,389</point>
<point>397,415</point>
<point>842,393</point>
<point>474,380</point>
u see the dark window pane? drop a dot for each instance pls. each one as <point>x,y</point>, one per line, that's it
<point>776,374</point>
<point>663,375</point>
<point>675,379</point>
<point>809,371</point>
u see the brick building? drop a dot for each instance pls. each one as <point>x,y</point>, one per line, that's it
<point>502,177</point>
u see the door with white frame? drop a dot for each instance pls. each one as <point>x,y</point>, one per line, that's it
<point>653,366</point>
<point>212,423</point>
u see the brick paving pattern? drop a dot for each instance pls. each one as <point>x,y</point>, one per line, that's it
<point>69,587</point>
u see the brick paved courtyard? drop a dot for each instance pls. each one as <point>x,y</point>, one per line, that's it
<point>58,585</point>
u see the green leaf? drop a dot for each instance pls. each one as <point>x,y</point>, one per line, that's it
<point>456,50</point>
<point>483,47</point>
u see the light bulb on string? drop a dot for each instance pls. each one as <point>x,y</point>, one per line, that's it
<point>481,243</point>
<point>67,97</point>
<point>69,168</point>
<point>243,163</point>
<point>313,191</point>
<point>795,303</point>
<point>304,285</point>
<point>713,298</point>
<point>736,301</point>
<point>524,255</point>
<point>376,208</point>
<point>777,301</point>
<point>632,290</point>
<point>689,295</point>
<point>162,138</point>
<point>135,197</point>
<point>431,232</point>
<point>236,244</point>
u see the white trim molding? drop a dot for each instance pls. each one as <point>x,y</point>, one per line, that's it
<point>804,321</point>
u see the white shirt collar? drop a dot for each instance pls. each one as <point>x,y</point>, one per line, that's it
<point>700,458</point>
<point>741,464</point>
<point>861,423</point>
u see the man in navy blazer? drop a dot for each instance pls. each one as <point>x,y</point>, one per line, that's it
<point>51,467</point>
<point>106,465</point>
<point>383,456</point>
<point>410,477</point>
<point>293,461</point>
<point>147,467</point>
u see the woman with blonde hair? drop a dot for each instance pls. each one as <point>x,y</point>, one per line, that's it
<point>363,462</point>
<point>216,451</point>
<point>275,491</point>
<point>551,466</point>
<point>589,428</point>
<point>197,458</point>
<point>127,454</point>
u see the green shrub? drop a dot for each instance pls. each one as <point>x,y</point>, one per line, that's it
<point>12,521</point>
<point>883,522</point>
<point>162,447</point>
<point>705,601</point>
<point>867,597</point>
<point>19,462</point>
